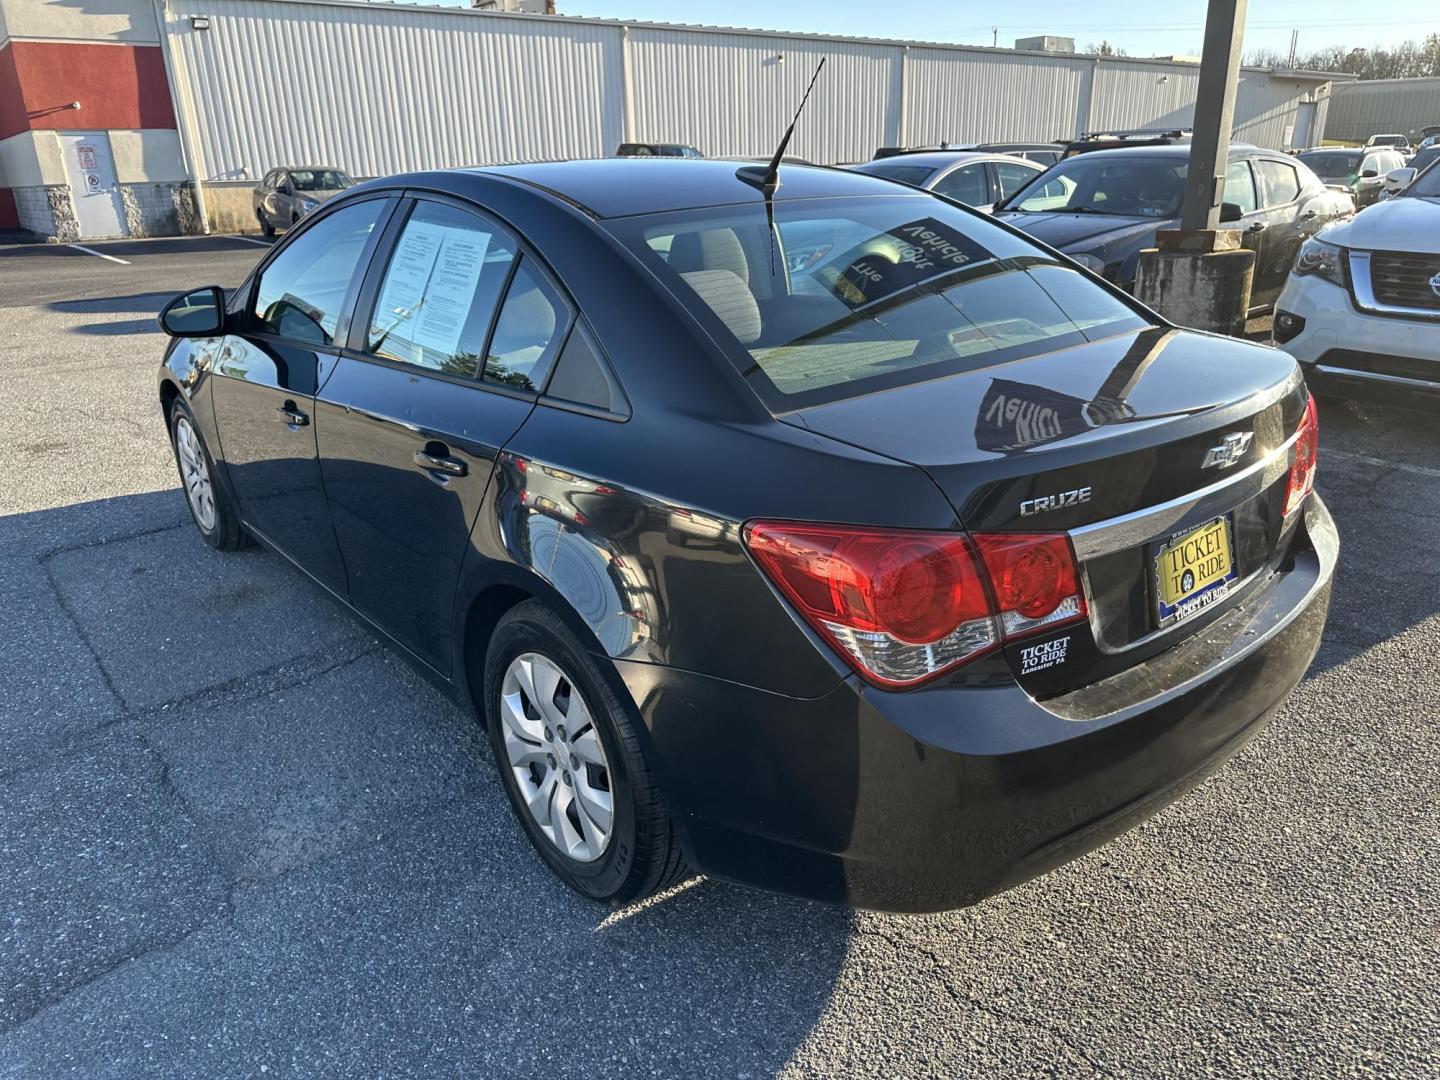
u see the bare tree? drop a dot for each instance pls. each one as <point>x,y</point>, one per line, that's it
<point>1407,60</point>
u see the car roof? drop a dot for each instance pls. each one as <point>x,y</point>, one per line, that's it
<point>1002,146</point>
<point>1174,150</point>
<point>620,187</point>
<point>934,158</point>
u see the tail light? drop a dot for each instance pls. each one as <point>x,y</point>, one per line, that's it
<point>1036,582</point>
<point>903,607</point>
<point>1302,469</point>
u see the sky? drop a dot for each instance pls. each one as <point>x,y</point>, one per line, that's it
<point>1141,29</point>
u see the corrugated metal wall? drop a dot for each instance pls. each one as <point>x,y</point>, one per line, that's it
<point>732,94</point>
<point>991,96</point>
<point>381,89</point>
<point>1400,106</point>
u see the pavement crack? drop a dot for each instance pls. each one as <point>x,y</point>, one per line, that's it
<point>941,971</point>
<point>65,549</point>
<point>84,637</point>
<point>257,684</point>
<point>159,948</point>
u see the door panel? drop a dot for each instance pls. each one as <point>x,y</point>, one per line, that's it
<point>268,375</point>
<point>264,411</point>
<point>1279,185</point>
<point>403,524</point>
<point>408,434</point>
<point>90,170</point>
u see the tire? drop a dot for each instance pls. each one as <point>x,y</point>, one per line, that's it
<point>265,227</point>
<point>640,855</point>
<point>212,507</point>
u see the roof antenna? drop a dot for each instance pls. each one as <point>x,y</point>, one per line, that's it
<point>768,178</point>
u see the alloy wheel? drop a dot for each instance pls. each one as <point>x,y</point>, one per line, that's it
<point>195,473</point>
<point>553,749</point>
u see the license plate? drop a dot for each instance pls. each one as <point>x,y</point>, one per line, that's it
<point>1192,570</point>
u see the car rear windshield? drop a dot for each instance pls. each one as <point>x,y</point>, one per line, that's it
<point>1107,183</point>
<point>1333,166</point>
<point>319,179</point>
<point>914,175</point>
<point>864,294</point>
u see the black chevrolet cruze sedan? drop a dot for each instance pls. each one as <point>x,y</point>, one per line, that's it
<point>834,539</point>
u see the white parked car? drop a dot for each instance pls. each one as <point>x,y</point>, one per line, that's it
<point>1361,309</point>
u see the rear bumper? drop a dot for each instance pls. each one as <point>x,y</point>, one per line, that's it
<point>931,800</point>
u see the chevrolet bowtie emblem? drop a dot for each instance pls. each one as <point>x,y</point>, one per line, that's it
<point>1231,449</point>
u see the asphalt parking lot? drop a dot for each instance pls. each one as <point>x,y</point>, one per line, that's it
<point>238,837</point>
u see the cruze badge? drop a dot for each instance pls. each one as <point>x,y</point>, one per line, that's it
<point>1054,502</point>
<point>1231,449</point>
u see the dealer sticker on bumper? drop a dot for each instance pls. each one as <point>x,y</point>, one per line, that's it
<point>1192,570</point>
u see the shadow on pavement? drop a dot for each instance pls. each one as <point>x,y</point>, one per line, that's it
<point>240,832</point>
<point>1388,579</point>
<point>148,304</point>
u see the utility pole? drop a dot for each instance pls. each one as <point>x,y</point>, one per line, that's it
<point>994,37</point>
<point>1214,114</point>
<point>1199,275</point>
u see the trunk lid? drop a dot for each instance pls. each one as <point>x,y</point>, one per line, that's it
<point>1073,440</point>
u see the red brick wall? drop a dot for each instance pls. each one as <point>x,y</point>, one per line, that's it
<point>118,86</point>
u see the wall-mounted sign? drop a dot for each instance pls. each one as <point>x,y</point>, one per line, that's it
<point>85,153</point>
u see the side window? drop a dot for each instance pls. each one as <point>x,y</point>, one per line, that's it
<point>300,294</point>
<point>582,377</point>
<point>531,327</point>
<point>1012,177</point>
<point>1280,181</point>
<point>966,184</point>
<point>440,290</point>
<point>1240,187</point>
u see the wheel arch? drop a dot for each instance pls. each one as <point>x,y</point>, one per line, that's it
<point>487,601</point>
<point>169,391</point>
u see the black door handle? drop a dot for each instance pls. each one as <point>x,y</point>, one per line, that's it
<point>1257,227</point>
<point>291,415</point>
<point>440,463</point>
<point>1307,215</point>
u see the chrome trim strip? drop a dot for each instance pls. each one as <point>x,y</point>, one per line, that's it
<point>1364,291</point>
<point>1398,380</point>
<point>1153,522</point>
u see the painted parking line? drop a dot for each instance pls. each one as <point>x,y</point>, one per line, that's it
<point>248,240</point>
<point>99,254</point>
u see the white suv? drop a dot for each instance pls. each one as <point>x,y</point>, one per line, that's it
<point>1361,309</point>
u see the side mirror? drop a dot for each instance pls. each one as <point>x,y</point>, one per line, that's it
<point>1230,211</point>
<point>196,314</point>
<point>1369,174</point>
<point>1399,179</point>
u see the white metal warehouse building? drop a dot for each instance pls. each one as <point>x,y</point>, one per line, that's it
<point>378,89</point>
<point>1384,107</point>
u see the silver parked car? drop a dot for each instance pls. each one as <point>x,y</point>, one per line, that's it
<point>287,194</point>
<point>970,177</point>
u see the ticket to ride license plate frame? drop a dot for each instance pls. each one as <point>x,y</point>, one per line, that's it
<point>1192,570</point>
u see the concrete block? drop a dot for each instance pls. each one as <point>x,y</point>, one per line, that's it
<point>1201,290</point>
